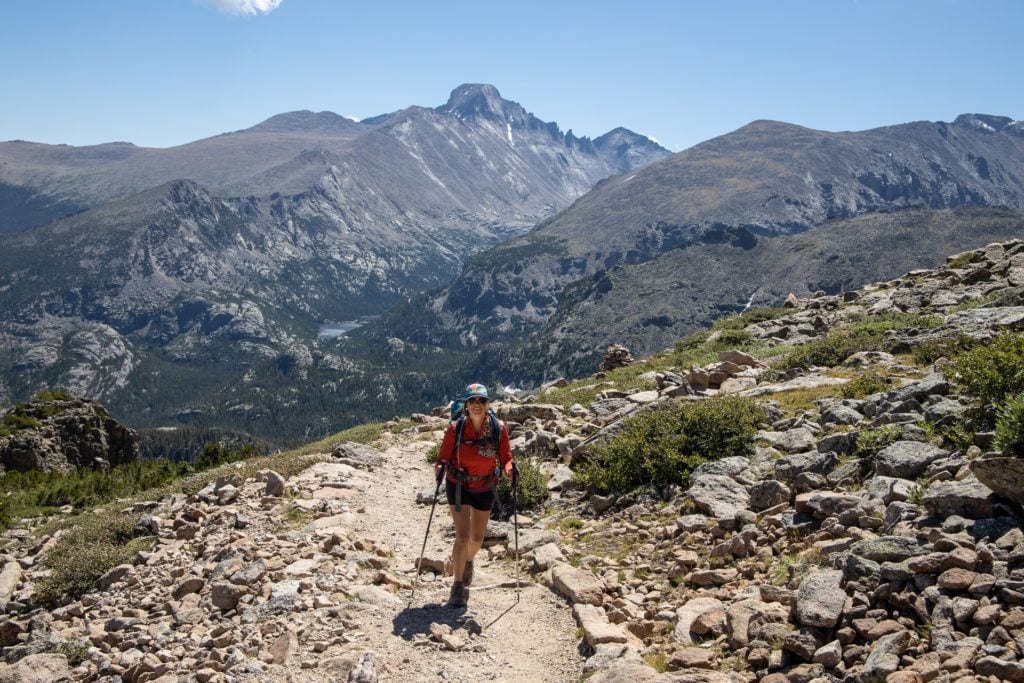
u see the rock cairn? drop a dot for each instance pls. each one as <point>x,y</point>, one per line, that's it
<point>617,356</point>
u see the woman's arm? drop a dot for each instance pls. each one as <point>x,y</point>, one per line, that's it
<point>444,454</point>
<point>504,449</point>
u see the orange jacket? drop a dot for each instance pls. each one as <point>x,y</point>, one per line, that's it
<point>478,459</point>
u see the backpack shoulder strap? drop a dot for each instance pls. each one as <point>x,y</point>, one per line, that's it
<point>460,426</point>
<point>495,428</point>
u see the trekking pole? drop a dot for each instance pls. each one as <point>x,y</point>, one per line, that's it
<point>515,520</point>
<point>419,562</point>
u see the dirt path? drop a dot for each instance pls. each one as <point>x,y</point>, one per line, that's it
<point>532,640</point>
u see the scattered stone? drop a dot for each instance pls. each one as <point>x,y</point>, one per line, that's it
<point>820,599</point>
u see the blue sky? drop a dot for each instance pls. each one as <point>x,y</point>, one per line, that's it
<point>164,72</point>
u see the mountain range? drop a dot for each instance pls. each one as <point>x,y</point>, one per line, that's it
<point>189,283</point>
<point>737,221</point>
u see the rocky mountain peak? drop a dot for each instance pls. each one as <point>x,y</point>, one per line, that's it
<point>990,123</point>
<point>480,100</point>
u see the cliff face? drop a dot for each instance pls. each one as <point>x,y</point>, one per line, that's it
<point>56,432</point>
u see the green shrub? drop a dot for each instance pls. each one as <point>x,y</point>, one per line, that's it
<point>661,447</point>
<point>865,385</point>
<point>1010,426</point>
<point>871,441</point>
<point>214,454</point>
<point>97,544</point>
<point>868,334</point>
<point>53,395</point>
<point>927,352</point>
<point>533,488</point>
<point>434,451</point>
<point>992,371</point>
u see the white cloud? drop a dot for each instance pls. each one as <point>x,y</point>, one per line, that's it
<point>245,6</point>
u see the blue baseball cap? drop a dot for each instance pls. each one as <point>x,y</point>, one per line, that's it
<point>476,391</point>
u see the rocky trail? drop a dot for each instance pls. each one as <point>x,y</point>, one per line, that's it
<point>529,639</point>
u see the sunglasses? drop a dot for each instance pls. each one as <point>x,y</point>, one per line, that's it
<point>475,400</point>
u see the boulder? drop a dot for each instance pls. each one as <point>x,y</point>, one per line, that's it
<point>789,467</point>
<point>966,497</point>
<point>789,441</point>
<point>821,598</point>
<point>719,496</point>
<point>66,433</point>
<point>597,630</point>
<point>689,613</point>
<point>38,668</point>
<point>768,493</point>
<point>907,459</point>
<point>578,585</point>
<point>1002,474</point>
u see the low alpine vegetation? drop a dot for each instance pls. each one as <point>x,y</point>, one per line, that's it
<point>1010,426</point>
<point>661,447</point>
<point>992,372</point>
<point>866,335</point>
<point>533,488</point>
<point>98,543</point>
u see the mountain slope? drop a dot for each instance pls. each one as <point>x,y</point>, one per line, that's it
<point>762,180</point>
<point>181,301</point>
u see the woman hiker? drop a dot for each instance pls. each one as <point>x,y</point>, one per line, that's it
<point>471,469</point>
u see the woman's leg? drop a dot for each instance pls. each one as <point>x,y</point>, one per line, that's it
<point>460,553</point>
<point>478,529</point>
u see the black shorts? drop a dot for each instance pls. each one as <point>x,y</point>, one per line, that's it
<point>478,500</point>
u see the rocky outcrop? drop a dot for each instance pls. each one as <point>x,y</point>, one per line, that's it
<point>62,433</point>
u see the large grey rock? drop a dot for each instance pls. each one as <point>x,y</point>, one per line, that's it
<point>727,467</point>
<point>907,459</point>
<point>740,616</point>
<point>820,599</point>
<point>719,496</point>
<point>1002,474</point>
<point>823,504</point>
<point>10,577</point>
<point>38,668</point>
<point>689,613</point>
<point>357,454</point>
<point>887,548</point>
<point>789,467</point>
<point>840,414</point>
<point>596,628</point>
<point>967,497</point>
<point>885,657</point>
<point>768,493</point>
<point>789,441</point>
<point>521,412</point>
<point>578,585</point>
<point>889,489</point>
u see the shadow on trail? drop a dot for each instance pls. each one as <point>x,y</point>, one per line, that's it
<point>417,620</point>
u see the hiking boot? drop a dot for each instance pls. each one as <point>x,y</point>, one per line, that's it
<point>459,596</point>
<point>467,574</point>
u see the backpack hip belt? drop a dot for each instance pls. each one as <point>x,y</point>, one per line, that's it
<point>462,476</point>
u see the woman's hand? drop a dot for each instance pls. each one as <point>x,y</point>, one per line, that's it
<point>511,471</point>
<point>439,468</point>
